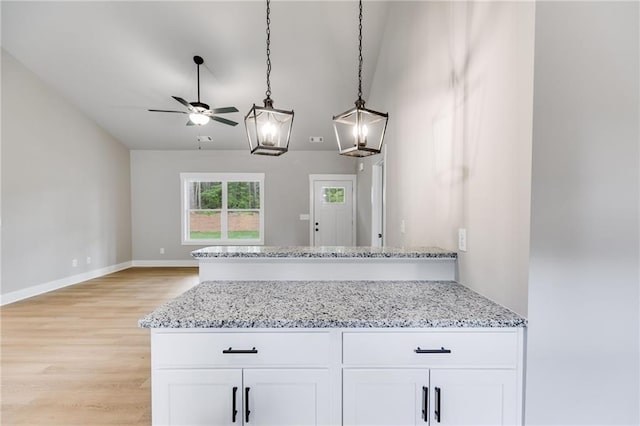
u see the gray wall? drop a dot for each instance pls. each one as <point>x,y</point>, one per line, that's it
<point>155,191</point>
<point>583,348</point>
<point>457,81</point>
<point>65,186</point>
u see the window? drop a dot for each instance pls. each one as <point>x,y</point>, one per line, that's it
<point>222,208</point>
<point>332,195</point>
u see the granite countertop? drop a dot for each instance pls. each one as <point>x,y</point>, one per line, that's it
<point>330,304</point>
<point>322,252</point>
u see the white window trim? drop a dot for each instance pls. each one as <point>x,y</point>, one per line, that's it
<point>187,178</point>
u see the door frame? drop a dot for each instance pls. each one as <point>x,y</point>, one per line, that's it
<point>378,203</point>
<point>319,177</point>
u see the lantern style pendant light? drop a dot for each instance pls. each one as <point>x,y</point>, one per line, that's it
<point>268,129</point>
<point>360,131</point>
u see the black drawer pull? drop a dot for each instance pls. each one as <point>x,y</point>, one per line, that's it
<point>425,404</point>
<point>432,351</point>
<point>240,351</point>
<point>234,411</point>
<point>438,410</point>
<point>246,405</point>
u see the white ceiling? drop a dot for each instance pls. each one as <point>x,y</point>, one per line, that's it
<point>114,60</point>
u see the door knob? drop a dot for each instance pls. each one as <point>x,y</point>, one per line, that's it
<point>379,235</point>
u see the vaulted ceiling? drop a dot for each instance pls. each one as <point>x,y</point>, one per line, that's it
<point>114,60</point>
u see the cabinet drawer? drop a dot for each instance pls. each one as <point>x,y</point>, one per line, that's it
<point>467,349</point>
<point>210,349</point>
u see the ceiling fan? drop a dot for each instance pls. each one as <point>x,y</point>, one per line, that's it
<point>200,113</point>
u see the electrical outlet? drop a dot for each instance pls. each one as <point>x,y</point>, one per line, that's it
<point>462,239</point>
<point>403,227</point>
<point>74,263</point>
<point>88,260</point>
<point>161,250</point>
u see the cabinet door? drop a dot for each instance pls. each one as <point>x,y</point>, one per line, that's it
<point>473,397</point>
<point>286,397</point>
<point>384,397</point>
<point>197,397</point>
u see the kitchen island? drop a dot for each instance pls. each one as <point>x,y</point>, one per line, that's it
<point>325,263</point>
<point>311,352</point>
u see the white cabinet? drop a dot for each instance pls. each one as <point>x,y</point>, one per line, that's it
<point>445,376</point>
<point>286,397</point>
<point>473,397</point>
<point>383,397</point>
<point>440,397</point>
<point>362,377</point>
<point>197,397</point>
<point>235,397</point>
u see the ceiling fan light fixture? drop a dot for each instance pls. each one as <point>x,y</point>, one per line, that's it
<point>199,119</point>
<point>268,129</point>
<point>360,131</point>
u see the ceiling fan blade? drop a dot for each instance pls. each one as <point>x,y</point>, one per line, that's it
<point>183,102</point>
<point>224,110</point>
<point>165,110</point>
<point>190,123</point>
<point>225,121</point>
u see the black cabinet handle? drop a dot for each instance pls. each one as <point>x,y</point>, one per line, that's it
<point>234,412</point>
<point>246,405</point>
<point>432,351</point>
<point>438,411</point>
<point>425,404</point>
<point>240,351</point>
<point>316,229</point>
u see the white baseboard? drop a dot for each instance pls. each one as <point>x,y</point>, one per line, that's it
<point>35,290</point>
<point>164,263</point>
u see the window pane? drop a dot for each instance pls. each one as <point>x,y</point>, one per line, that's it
<point>210,195</point>
<point>243,195</point>
<point>331,194</point>
<point>244,225</point>
<point>204,225</point>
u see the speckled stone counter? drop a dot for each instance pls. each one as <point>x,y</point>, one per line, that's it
<point>330,304</point>
<point>322,252</point>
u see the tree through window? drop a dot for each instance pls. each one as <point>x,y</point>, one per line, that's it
<point>222,208</point>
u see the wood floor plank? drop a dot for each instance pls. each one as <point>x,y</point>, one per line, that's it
<point>76,356</point>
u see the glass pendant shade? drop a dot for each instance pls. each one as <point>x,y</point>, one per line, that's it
<point>360,131</point>
<point>268,129</point>
<point>199,119</point>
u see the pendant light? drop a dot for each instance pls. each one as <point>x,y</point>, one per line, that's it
<point>268,129</point>
<point>360,131</point>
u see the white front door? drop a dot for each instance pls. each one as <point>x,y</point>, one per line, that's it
<point>333,212</point>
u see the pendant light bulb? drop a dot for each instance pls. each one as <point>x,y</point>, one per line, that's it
<point>269,134</point>
<point>199,119</point>
<point>360,133</point>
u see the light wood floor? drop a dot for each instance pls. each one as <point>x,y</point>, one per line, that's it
<point>76,356</point>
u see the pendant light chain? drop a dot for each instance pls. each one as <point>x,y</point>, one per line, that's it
<point>268,92</point>
<point>360,55</point>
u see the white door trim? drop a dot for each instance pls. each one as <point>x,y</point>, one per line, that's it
<point>312,220</point>
<point>377,203</point>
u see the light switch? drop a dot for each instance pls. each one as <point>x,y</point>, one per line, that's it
<point>462,239</point>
